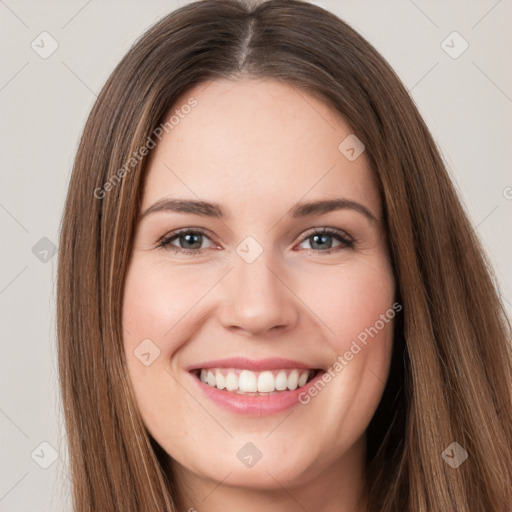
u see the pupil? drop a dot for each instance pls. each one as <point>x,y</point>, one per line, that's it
<point>189,237</point>
<point>323,237</point>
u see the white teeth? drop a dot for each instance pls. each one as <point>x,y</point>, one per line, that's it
<point>303,379</point>
<point>220,380</point>
<point>293,380</point>
<point>232,381</point>
<point>246,381</point>
<point>266,382</point>
<point>281,381</point>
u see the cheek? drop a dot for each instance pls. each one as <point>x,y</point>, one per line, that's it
<point>160,306</point>
<point>357,309</point>
<point>351,299</point>
<point>150,310</point>
<point>156,301</point>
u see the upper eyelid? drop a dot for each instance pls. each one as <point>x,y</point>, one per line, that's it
<point>173,234</point>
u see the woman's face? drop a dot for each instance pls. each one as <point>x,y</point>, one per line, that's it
<point>259,298</point>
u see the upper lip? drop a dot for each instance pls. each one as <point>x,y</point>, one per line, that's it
<point>243,363</point>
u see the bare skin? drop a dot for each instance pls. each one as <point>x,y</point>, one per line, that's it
<point>257,147</point>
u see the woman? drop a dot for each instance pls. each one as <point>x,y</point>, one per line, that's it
<point>251,370</point>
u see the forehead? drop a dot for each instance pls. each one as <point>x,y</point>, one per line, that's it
<point>252,140</point>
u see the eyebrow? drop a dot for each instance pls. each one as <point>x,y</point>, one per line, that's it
<point>299,210</point>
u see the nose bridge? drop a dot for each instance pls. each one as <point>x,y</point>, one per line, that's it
<point>258,299</point>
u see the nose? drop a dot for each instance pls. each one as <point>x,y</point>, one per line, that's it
<point>258,299</point>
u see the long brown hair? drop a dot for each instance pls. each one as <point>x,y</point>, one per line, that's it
<point>451,374</point>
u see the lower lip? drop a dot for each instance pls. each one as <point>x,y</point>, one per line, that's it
<point>256,405</point>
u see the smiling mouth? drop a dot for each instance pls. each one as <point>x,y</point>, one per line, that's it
<point>246,382</point>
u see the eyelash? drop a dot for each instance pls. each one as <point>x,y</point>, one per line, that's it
<point>165,241</point>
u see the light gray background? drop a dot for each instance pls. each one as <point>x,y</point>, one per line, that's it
<point>467,103</point>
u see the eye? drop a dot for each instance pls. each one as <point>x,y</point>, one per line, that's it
<point>319,238</point>
<point>189,241</point>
